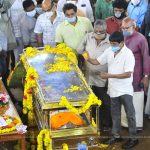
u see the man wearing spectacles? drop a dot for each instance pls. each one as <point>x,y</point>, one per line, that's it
<point>139,46</point>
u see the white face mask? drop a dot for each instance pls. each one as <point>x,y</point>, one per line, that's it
<point>135,2</point>
<point>31,13</point>
<point>117,15</point>
<point>72,2</point>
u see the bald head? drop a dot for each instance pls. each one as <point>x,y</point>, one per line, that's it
<point>126,22</point>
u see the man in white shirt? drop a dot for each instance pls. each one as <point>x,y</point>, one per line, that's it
<point>121,64</point>
<point>46,25</point>
<point>27,24</point>
<point>84,7</point>
<point>16,13</point>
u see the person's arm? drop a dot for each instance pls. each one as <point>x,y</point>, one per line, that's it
<point>124,75</point>
<point>39,32</point>
<point>93,61</point>
<point>39,38</point>
<point>101,60</point>
<point>146,62</point>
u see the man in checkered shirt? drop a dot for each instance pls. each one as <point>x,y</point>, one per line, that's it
<point>46,25</point>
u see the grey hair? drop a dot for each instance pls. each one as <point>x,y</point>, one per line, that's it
<point>100,24</point>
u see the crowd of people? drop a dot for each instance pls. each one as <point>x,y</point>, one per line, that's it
<point>115,35</point>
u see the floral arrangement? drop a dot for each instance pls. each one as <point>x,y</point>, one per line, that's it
<point>44,135</point>
<point>12,122</point>
<point>61,66</point>
<point>92,100</point>
<point>4,101</point>
<point>31,51</point>
<point>73,88</point>
<point>30,82</point>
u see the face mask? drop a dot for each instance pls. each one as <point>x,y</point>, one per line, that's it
<point>135,2</point>
<point>73,19</point>
<point>31,13</point>
<point>119,15</point>
<point>72,2</point>
<point>126,33</point>
<point>115,49</point>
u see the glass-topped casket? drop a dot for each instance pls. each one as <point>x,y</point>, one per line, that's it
<point>61,97</point>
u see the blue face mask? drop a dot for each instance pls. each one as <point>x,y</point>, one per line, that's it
<point>115,49</point>
<point>126,33</point>
<point>73,19</point>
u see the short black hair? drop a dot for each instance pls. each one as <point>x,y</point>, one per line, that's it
<point>116,37</point>
<point>27,3</point>
<point>39,2</point>
<point>69,6</point>
<point>120,4</point>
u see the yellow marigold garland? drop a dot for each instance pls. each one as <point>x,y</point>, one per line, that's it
<point>93,123</point>
<point>10,76</point>
<point>30,82</point>
<point>62,49</point>
<point>62,66</point>
<point>31,51</point>
<point>44,135</point>
<point>92,100</point>
<point>73,88</point>
<point>65,146</point>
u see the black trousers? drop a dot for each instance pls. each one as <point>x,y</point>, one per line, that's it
<point>105,109</point>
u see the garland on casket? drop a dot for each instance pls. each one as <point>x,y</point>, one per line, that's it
<point>30,83</point>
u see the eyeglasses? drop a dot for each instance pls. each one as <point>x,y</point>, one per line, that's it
<point>126,28</point>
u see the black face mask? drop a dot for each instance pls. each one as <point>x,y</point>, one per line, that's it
<point>123,15</point>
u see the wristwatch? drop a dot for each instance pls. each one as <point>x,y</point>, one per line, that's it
<point>145,76</point>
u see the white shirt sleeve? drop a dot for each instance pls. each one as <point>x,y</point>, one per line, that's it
<point>129,62</point>
<point>38,27</point>
<point>102,59</point>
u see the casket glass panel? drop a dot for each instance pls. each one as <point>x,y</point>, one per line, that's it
<point>52,85</point>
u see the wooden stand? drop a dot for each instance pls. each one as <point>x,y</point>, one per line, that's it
<point>12,136</point>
